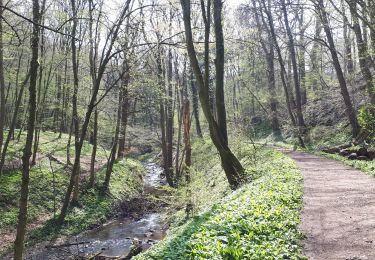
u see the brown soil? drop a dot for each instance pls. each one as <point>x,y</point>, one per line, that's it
<point>339,209</point>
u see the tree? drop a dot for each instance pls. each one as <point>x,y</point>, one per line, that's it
<point>340,75</point>
<point>27,152</point>
<point>107,55</point>
<point>297,87</point>
<point>2,81</point>
<point>231,165</point>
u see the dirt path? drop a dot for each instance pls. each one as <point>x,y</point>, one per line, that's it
<point>339,209</point>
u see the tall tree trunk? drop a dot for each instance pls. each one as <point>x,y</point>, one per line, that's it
<point>169,119</point>
<point>13,123</point>
<point>124,116</point>
<point>282,69</point>
<point>348,61</point>
<point>270,57</point>
<point>351,113</point>
<point>22,215</point>
<point>301,57</point>
<point>297,87</point>
<point>219,65</point>
<point>162,111</point>
<point>231,165</point>
<point>363,54</point>
<point>187,144</point>
<point>314,55</point>
<point>94,148</point>
<point>2,80</point>
<point>74,101</point>
<point>112,157</point>
<point>371,8</point>
<point>194,96</point>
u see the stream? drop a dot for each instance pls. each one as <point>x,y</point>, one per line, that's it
<point>114,239</point>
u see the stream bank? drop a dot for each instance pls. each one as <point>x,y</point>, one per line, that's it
<point>139,223</point>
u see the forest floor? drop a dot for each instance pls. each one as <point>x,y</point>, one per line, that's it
<point>49,178</point>
<point>339,205</point>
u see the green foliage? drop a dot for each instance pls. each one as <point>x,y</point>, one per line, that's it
<point>258,221</point>
<point>366,118</point>
<point>48,182</point>
<point>366,166</point>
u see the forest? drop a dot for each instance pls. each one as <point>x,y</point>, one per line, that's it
<point>187,129</point>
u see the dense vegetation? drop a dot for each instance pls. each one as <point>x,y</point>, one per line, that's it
<point>91,88</point>
<point>49,178</point>
<point>258,221</point>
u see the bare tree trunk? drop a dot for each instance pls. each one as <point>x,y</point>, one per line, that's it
<point>231,165</point>
<point>169,119</point>
<point>340,75</point>
<point>112,157</point>
<point>282,69</point>
<point>124,116</point>
<point>194,96</point>
<point>13,123</point>
<point>94,148</point>
<point>301,57</point>
<point>270,57</point>
<point>22,215</point>
<point>2,81</point>
<point>219,65</point>
<point>162,111</point>
<point>314,55</point>
<point>90,108</point>
<point>297,87</point>
<point>74,101</point>
<point>348,61</point>
<point>187,144</point>
<point>363,54</point>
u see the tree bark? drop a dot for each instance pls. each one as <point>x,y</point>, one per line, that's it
<point>231,165</point>
<point>124,116</point>
<point>363,54</point>
<point>187,144</point>
<point>297,87</point>
<point>13,123</point>
<point>2,80</point>
<point>90,108</point>
<point>351,113</point>
<point>94,148</point>
<point>112,157</point>
<point>221,114</point>
<point>194,96</point>
<point>169,119</point>
<point>270,57</point>
<point>282,70</point>
<point>22,215</point>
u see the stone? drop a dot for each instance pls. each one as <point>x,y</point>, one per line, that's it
<point>362,158</point>
<point>352,156</point>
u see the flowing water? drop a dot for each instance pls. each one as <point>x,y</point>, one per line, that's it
<point>115,238</point>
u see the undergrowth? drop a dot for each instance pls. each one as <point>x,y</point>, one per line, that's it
<point>257,221</point>
<point>48,183</point>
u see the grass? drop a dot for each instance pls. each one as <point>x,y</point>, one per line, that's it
<point>258,221</point>
<point>365,166</point>
<point>322,137</point>
<point>49,143</point>
<point>48,183</point>
<point>96,208</point>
